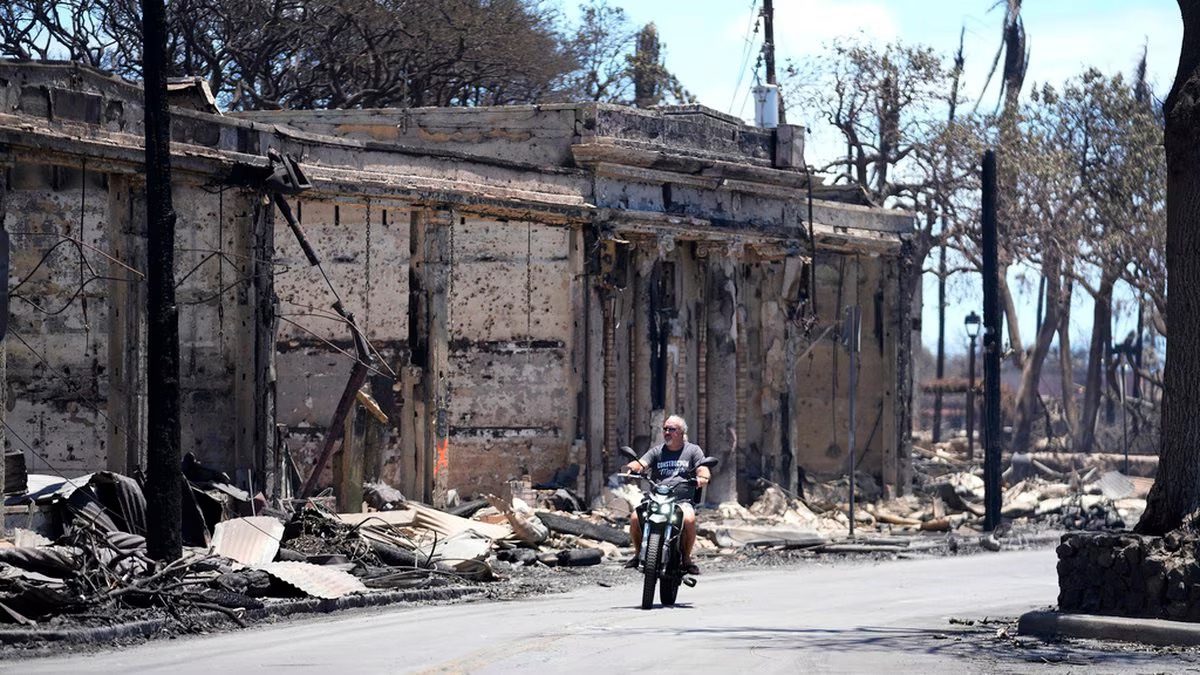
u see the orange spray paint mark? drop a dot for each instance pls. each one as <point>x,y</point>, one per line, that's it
<point>443,459</point>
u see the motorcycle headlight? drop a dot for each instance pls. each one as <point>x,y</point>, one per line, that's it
<point>664,508</point>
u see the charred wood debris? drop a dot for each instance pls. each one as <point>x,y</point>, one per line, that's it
<point>76,547</point>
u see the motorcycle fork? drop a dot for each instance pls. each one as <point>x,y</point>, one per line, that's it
<point>664,560</point>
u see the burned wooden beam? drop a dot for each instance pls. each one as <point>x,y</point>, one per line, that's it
<point>582,528</point>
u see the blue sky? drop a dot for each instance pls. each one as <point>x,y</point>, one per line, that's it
<point>706,39</point>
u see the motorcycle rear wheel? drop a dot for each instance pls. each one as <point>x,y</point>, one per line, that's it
<point>669,590</point>
<point>650,569</point>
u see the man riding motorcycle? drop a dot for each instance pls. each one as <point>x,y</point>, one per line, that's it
<point>668,462</point>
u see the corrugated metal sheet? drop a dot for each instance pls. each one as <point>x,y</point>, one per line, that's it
<point>315,580</point>
<point>44,489</point>
<point>251,541</point>
<point>1115,485</point>
<point>22,538</point>
<point>1141,486</point>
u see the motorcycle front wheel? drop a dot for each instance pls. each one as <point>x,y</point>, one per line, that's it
<point>650,568</point>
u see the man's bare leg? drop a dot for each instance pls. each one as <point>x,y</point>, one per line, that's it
<point>635,536</point>
<point>689,537</point>
<point>635,532</point>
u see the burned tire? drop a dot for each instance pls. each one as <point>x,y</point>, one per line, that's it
<point>650,569</point>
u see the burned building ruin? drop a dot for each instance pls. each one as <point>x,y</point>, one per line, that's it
<point>538,286</point>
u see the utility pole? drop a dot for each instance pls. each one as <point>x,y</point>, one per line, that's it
<point>972,325</point>
<point>940,363</point>
<point>164,479</point>
<point>851,334</point>
<point>4,257</point>
<point>991,348</point>
<point>768,15</point>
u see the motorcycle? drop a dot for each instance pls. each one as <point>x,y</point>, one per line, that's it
<point>661,517</point>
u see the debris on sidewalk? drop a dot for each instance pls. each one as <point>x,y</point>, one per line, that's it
<point>79,548</point>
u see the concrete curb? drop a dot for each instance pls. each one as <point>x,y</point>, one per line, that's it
<point>147,628</point>
<point>1147,631</point>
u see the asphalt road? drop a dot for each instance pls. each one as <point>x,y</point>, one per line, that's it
<point>838,617</point>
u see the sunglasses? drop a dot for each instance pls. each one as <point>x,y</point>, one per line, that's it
<point>670,429</point>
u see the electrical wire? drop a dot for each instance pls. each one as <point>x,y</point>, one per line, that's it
<point>747,48</point>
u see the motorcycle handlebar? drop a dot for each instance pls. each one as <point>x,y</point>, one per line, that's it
<point>689,476</point>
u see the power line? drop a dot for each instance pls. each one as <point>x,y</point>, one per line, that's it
<point>747,49</point>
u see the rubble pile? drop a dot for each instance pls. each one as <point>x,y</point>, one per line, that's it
<point>88,556</point>
<point>82,549</point>
<point>948,497</point>
<point>1130,575</point>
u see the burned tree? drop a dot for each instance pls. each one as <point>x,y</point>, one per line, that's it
<point>1175,496</point>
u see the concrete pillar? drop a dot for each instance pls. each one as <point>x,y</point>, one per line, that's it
<point>127,326</point>
<point>437,271</point>
<point>641,435</point>
<point>686,337</point>
<point>251,248</point>
<point>265,307</point>
<point>794,287</point>
<point>411,425</point>
<point>742,394</point>
<point>891,375</point>
<point>587,372</point>
<point>721,374</point>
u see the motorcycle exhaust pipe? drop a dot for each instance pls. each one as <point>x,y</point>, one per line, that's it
<point>690,582</point>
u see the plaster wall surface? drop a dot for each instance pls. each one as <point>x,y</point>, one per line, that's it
<point>210,266</point>
<point>511,411</point>
<point>57,349</point>
<point>364,249</point>
<point>823,376</point>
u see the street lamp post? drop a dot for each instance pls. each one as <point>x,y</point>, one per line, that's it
<point>1125,354</point>
<point>972,324</point>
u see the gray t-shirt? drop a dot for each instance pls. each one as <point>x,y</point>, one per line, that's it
<point>665,465</point>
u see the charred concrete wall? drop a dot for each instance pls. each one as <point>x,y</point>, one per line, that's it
<point>364,245</point>
<point>539,284</point>
<point>511,407</point>
<point>77,321</point>
<point>57,339</point>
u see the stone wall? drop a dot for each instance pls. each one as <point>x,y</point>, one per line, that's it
<point>1124,574</point>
